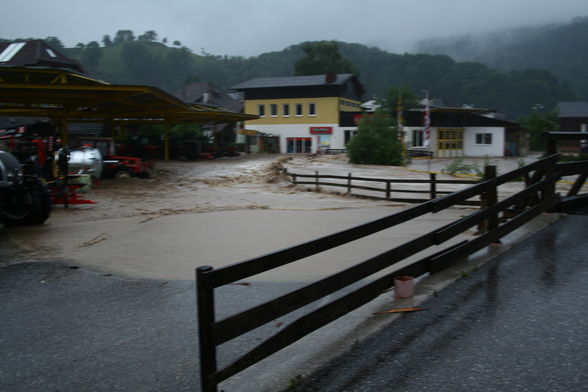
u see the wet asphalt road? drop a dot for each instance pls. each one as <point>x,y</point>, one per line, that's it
<point>64,329</point>
<point>519,323</point>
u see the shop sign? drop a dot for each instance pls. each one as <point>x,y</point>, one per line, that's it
<point>321,130</point>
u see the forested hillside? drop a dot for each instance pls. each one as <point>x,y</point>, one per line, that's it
<point>558,48</point>
<point>145,60</point>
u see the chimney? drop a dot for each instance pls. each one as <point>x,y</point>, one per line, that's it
<point>330,77</point>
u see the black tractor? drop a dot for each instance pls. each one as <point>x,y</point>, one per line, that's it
<point>24,198</point>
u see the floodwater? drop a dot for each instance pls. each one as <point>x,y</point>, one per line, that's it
<point>217,213</point>
<point>203,213</point>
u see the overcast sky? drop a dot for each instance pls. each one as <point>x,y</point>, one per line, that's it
<point>251,27</point>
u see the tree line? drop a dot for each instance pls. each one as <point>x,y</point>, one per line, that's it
<point>145,59</point>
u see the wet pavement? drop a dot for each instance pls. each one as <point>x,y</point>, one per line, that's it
<point>516,324</point>
<point>520,323</point>
<point>118,312</point>
<point>68,329</point>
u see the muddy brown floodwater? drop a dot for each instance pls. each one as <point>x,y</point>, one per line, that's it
<point>216,213</point>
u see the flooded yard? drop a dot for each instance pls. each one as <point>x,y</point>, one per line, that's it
<point>219,212</point>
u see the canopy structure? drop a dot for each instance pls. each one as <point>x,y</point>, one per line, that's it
<point>64,94</point>
<point>67,96</point>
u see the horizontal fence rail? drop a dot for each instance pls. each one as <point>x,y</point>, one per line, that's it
<point>350,183</point>
<point>495,218</point>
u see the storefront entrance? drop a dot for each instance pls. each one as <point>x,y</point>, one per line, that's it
<point>299,145</point>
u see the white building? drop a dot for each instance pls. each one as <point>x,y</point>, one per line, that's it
<point>456,132</point>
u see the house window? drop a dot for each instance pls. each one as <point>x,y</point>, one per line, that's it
<point>483,138</point>
<point>348,135</point>
<point>273,110</point>
<point>299,109</point>
<point>312,109</point>
<point>261,110</point>
<point>286,110</point>
<point>418,138</point>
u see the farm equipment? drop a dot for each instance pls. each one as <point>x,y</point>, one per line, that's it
<point>117,165</point>
<point>24,198</point>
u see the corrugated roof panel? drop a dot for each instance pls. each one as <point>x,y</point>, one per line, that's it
<point>9,52</point>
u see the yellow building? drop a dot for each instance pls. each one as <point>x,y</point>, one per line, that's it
<point>306,113</point>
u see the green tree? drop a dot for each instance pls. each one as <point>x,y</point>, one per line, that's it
<point>123,36</point>
<point>537,124</point>
<point>54,42</point>
<point>322,57</point>
<point>376,142</point>
<point>91,55</point>
<point>150,35</point>
<point>402,95</point>
<point>106,41</point>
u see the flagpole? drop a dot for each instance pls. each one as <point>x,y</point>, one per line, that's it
<point>427,120</point>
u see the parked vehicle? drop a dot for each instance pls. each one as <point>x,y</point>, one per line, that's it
<point>24,198</point>
<point>118,165</point>
<point>115,166</point>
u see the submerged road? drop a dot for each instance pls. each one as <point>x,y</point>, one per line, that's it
<point>520,323</point>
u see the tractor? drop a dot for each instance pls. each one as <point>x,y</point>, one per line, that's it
<point>24,198</point>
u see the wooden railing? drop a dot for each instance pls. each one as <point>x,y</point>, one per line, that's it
<point>497,217</point>
<point>349,183</point>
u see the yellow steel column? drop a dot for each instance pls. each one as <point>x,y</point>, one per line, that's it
<point>63,129</point>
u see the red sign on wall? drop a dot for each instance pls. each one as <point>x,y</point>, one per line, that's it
<point>321,130</point>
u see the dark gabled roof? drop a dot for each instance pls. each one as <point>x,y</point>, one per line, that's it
<point>292,81</point>
<point>572,109</point>
<point>457,117</point>
<point>35,53</point>
<point>208,94</point>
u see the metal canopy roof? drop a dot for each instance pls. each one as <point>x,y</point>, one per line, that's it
<point>60,93</point>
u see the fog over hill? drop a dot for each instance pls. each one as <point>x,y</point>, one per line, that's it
<point>558,47</point>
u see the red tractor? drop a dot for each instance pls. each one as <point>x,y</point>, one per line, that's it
<point>115,166</point>
<point>118,165</point>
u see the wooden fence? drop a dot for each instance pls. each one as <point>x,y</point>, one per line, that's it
<point>497,217</point>
<point>433,191</point>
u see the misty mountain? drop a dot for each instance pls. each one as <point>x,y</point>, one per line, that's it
<point>558,48</point>
<point>147,62</point>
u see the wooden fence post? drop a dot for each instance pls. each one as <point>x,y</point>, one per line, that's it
<point>293,178</point>
<point>550,188</point>
<point>348,183</point>
<point>205,296</point>
<point>491,197</point>
<point>316,180</point>
<point>388,190</point>
<point>433,185</point>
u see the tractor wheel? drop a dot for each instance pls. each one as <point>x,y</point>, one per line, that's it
<point>29,206</point>
<point>123,173</point>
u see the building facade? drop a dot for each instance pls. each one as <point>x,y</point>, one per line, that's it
<point>306,113</point>
<point>456,132</point>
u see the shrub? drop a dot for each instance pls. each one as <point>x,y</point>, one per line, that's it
<point>376,142</point>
